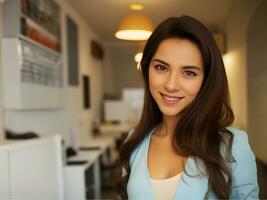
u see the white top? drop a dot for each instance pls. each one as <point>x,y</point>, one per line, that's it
<point>164,189</point>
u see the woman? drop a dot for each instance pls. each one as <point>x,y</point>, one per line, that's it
<point>183,147</point>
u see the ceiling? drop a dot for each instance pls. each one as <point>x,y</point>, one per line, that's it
<point>103,16</point>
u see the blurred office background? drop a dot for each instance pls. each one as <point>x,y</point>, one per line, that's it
<point>67,79</point>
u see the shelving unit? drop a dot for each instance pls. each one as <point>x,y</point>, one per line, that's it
<point>32,61</point>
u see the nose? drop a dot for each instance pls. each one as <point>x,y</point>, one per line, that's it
<point>172,83</point>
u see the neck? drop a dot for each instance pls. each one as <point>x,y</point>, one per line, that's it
<point>168,125</point>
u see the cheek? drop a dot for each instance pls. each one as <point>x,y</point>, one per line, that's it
<point>153,83</point>
<point>193,88</point>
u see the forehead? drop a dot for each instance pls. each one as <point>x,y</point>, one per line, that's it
<point>179,51</point>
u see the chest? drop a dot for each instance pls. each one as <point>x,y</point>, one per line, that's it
<point>162,160</point>
<point>139,184</point>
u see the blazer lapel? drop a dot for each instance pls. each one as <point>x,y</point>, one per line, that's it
<point>194,182</point>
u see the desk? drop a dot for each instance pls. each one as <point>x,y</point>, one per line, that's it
<point>103,142</point>
<point>83,181</point>
<point>116,130</point>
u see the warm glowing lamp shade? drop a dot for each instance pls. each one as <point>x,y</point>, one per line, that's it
<point>135,27</point>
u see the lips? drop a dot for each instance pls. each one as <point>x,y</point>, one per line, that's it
<point>168,99</point>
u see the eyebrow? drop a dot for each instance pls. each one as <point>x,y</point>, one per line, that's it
<point>184,67</point>
<point>161,61</point>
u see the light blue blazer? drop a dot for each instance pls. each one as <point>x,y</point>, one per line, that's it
<point>244,173</point>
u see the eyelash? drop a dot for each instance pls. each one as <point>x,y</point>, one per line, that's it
<point>186,73</point>
<point>190,73</point>
<point>160,67</point>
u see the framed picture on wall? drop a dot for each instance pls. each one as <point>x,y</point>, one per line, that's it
<point>86,92</point>
<point>73,53</point>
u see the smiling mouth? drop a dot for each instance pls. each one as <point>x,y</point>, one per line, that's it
<point>170,99</point>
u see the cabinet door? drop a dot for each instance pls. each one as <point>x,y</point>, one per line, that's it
<point>4,175</point>
<point>90,183</point>
<point>35,170</point>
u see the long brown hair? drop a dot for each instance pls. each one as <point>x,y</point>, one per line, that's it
<point>201,128</point>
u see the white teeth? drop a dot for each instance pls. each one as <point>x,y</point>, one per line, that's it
<point>171,98</point>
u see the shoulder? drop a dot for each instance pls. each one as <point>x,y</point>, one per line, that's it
<point>127,138</point>
<point>238,134</point>
<point>241,149</point>
<point>130,135</point>
<point>244,170</point>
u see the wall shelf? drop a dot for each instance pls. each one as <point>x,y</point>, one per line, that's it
<point>32,63</point>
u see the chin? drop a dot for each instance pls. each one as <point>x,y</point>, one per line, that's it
<point>170,113</point>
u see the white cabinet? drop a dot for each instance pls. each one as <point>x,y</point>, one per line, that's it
<point>82,181</point>
<point>32,169</point>
<point>4,174</point>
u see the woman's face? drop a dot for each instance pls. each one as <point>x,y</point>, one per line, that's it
<point>176,74</point>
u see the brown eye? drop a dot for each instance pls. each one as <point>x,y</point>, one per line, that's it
<point>190,73</point>
<point>160,67</point>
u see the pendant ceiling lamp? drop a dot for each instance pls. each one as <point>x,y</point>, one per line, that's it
<point>135,27</point>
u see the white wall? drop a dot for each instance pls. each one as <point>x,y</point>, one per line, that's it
<point>235,59</point>
<point>237,26</point>
<point>73,117</point>
<point>121,71</point>
<point>82,119</point>
<point>257,80</point>
<point>1,101</point>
